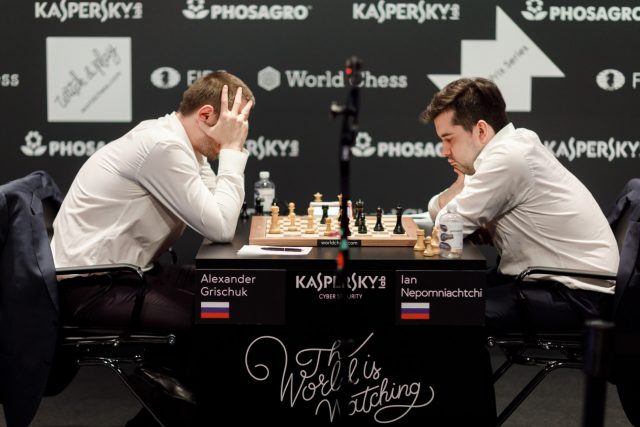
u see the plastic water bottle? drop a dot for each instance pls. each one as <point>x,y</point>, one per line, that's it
<point>265,189</point>
<point>451,233</point>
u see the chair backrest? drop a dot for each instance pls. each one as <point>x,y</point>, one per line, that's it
<point>625,222</point>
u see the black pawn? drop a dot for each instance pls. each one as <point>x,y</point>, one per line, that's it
<point>399,228</point>
<point>325,214</point>
<point>362,227</point>
<point>243,213</point>
<point>378,226</point>
<point>259,210</point>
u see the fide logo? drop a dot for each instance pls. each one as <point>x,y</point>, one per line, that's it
<point>269,78</point>
<point>195,10</point>
<point>33,144</point>
<point>165,77</point>
<point>610,79</point>
<point>534,10</point>
<point>363,147</point>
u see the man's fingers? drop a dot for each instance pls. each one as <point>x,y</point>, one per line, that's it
<point>246,109</point>
<point>237,100</point>
<point>224,99</point>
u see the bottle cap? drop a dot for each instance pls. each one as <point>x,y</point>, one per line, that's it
<point>264,174</point>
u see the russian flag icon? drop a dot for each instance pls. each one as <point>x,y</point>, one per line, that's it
<point>414,310</point>
<point>214,310</point>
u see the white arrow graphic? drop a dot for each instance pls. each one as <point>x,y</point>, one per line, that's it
<point>511,61</point>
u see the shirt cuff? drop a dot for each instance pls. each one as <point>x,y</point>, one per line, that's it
<point>232,161</point>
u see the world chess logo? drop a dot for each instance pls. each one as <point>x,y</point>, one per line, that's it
<point>33,144</point>
<point>534,10</point>
<point>610,79</point>
<point>195,10</point>
<point>165,77</point>
<point>269,78</point>
<point>363,147</point>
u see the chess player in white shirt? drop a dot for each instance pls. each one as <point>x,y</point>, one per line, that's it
<point>134,197</point>
<point>512,191</point>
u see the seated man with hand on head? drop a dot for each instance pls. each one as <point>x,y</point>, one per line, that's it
<point>133,198</point>
<point>511,188</point>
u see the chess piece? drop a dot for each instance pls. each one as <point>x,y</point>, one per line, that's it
<point>328,231</point>
<point>275,220</point>
<point>378,226</point>
<point>435,240</point>
<point>259,208</point>
<point>243,213</point>
<point>292,209</point>
<point>325,214</point>
<point>292,221</point>
<point>317,197</point>
<point>429,249</point>
<point>419,247</point>
<point>310,226</point>
<point>359,212</point>
<point>399,229</point>
<point>362,228</point>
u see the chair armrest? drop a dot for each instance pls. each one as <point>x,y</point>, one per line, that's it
<point>113,268</point>
<point>100,268</point>
<point>564,272</point>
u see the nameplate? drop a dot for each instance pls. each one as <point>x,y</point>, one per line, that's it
<point>240,297</point>
<point>446,297</point>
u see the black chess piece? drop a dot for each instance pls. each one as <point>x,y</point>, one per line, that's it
<point>243,213</point>
<point>258,207</point>
<point>325,214</point>
<point>378,226</point>
<point>362,227</point>
<point>399,229</point>
<point>359,213</point>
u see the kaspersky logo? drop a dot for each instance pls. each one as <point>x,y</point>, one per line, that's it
<point>33,147</point>
<point>196,9</point>
<point>102,11</point>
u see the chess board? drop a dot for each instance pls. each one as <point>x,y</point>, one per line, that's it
<point>260,235</point>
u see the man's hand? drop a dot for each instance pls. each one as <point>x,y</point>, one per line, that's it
<point>455,188</point>
<point>232,126</point>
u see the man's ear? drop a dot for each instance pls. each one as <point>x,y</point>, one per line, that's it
<point>207,114</point>
<point>485,131</point>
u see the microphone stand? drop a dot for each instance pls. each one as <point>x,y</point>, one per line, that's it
<point>349,130</point>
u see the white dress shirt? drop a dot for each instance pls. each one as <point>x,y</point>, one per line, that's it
<point>131,199</point>
<point>538,213</point>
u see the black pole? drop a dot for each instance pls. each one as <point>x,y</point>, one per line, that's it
<point>598,343</point>
<point>349,130</point>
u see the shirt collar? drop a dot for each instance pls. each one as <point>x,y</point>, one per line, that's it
<point>176,126</point>
<point>504,133</point>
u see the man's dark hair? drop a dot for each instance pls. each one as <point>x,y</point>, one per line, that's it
<point>471,100</point>
<point>207,90</point>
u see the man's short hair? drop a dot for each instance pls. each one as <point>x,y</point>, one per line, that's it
<point>208,89</point>
<point>471,100</point>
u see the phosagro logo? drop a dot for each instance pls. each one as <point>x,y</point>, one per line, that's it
<point>269,78</point>
<point>101,11</point>
<point>610,79</point>
<point>364,147</point>
<point>419,12</point>
<point>165,77</point>
<point>263,147</point>
<point>535,12</point>
<point>252,12</point>
<point>33,147</point>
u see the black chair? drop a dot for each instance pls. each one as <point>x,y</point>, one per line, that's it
<point>553,351</point>
<point>29,291</point>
